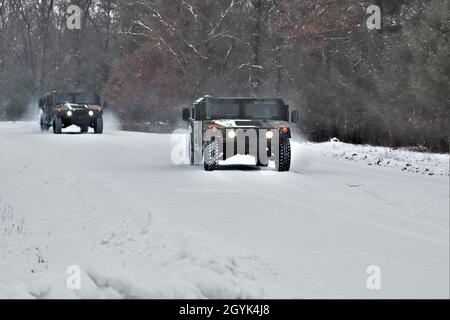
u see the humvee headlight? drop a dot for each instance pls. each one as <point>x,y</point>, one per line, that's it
<point>269,134</point>
<point>69,113</point>
<point>231,134</point>
<point>284,129</point>
<point>91,113</point>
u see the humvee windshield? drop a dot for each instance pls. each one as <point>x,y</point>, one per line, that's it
<point>247,109</point>
<point>79,98</point>
<point>63,98</point>
<point>264,110</point>
<point>224,109</point>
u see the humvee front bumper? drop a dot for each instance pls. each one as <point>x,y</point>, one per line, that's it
<point>265,138</point>
<point>78,117</point>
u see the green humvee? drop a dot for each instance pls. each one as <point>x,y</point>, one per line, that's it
<point>61,110</point>
<point>220,128</point>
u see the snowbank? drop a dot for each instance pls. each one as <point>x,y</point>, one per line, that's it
<point>190,276</point>
<point>405,160</point>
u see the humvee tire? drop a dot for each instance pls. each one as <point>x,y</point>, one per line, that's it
<point>44,126</point>
<point>84,129</point>
<point>191,153</point>
<point>98,125</point>
<point>191,149</point>
<point>57,125</point>
<point>283,163</point>
<point>212,155</point>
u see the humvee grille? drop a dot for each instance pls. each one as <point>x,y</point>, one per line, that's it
<point>248,123</point>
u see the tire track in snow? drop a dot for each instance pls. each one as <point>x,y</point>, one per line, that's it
<point>285,200</point>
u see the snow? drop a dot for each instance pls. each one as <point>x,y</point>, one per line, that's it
<point>140,226</point>
<point>409,161</point>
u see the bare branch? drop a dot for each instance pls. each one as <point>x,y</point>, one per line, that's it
<point>222,16</point>
<point>190,8</point>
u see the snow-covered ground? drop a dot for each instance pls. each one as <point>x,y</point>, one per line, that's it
<point>139,225</point>
<point>405,160</point>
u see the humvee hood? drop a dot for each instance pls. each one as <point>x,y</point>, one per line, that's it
<point>246,123</point>
<point>74,106</point>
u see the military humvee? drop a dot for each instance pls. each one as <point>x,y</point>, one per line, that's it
<point>61,110</point>
<point>220,128</point>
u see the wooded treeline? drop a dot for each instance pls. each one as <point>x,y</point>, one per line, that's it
<point>149,58</point>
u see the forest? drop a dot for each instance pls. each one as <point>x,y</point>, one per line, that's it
<point>150,58</point>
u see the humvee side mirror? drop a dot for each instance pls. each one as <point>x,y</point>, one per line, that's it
<point>41,103</point>
<point>105,104</point>
<point>186,114</point>
<point>294,116</point>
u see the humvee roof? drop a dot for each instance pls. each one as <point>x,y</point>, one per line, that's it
<point>88,97</point>
<point>205,98</point>
<point>213,108</point>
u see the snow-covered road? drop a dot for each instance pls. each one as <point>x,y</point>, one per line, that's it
<point>139,225</point>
